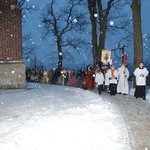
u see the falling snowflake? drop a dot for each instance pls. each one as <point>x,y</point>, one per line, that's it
<point>12,7</point>
<point>40,26</point>
<point>111,23</point>
<point>95,15</point>
<point>75,20</point>
<point>33,6</point>
<point>60,53</point>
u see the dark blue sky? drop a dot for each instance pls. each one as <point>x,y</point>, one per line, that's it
<point>82,57</point>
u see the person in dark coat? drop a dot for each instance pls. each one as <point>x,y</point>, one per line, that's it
<point>55,76</point>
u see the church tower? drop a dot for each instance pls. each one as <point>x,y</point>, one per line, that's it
<point>12,69</point>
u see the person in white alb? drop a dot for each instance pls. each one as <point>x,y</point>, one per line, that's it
<point>123,75</point>
<point>99,80</point>
<point>113,77</point>
<point>106,81</point>
<point>140,73</point>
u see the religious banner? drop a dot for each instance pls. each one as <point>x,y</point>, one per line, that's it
<point>106,56</point>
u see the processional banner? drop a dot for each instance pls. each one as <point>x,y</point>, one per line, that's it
<point>106,56</point>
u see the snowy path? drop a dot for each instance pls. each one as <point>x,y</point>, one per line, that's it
<point>49,117</point>
<point>136,113</point>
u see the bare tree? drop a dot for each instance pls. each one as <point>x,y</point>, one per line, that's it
<point>101,13</point>
<point>92,11</point>
<point>137,28</point>
<point>23,5</point>
<point>29,51</point>
<point>20,3</point>
<point>65,25</point>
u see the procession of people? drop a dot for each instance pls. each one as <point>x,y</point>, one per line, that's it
<point>110,79</point>
<point>103,75</point>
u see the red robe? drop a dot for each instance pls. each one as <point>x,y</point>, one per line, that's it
<point>88,81</point>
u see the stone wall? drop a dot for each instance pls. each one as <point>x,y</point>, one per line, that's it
<point>12,75</point>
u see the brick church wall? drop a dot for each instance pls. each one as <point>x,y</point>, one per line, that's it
<point>11,46</point>
<point>10,31</point>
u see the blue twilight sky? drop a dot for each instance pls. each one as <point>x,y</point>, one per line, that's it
<point>44,48</point>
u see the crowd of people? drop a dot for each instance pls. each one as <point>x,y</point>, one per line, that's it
<point>110,79</point>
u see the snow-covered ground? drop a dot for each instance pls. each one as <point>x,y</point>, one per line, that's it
<point>147,92</point>
<point>51,117</point>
